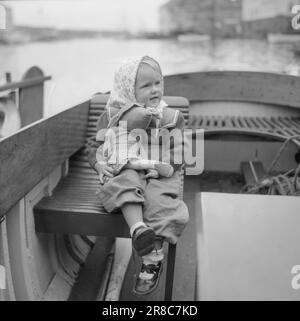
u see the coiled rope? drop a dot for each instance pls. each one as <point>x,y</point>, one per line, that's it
<point>283,184</point>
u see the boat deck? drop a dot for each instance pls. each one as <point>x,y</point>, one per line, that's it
<point>60,171</point>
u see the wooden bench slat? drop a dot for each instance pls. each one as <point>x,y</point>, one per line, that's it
<point>254,122</point>
<point>227,121</point>
<point>242,122</point>
<point>263,123</point>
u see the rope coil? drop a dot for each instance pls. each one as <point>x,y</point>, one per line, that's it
<point>283,184</point>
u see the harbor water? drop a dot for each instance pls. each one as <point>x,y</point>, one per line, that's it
<point>82,67</point>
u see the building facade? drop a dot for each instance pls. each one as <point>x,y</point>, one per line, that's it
<point>213,17</point>
<point>183,16</point>
<point>222,18</point>
<point>263,9</point>
<point>227,18</point>
<point>261,17</point>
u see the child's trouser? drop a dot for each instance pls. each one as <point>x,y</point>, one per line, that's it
<point>162,209</point>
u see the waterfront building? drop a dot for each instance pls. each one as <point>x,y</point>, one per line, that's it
<point>182,16</point>
<point>262,17</point>
<point>222,18</point>
<point>227,18</point>
<point>217,17</point>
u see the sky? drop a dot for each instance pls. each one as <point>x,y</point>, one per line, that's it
<point>131,15</point>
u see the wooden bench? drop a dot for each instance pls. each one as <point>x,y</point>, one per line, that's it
<point>73,207</point>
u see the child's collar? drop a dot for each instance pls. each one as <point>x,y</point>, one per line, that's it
<point>161,106</point>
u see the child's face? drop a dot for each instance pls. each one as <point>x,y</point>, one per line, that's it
<point>148,86</point>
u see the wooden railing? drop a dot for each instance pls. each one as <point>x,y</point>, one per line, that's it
<point>30,154</point>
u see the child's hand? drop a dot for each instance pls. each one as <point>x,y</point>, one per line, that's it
<point>154,112</point>
<point>104,171</point>
<point>152,173</point>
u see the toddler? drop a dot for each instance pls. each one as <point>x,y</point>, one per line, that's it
<point>145,190</point>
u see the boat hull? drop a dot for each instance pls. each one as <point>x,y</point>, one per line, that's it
<point>46,267</point>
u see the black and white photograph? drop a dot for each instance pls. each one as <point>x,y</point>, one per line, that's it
<point>149,151</point>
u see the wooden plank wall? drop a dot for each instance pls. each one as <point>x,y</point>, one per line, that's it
<point>33,152</point>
